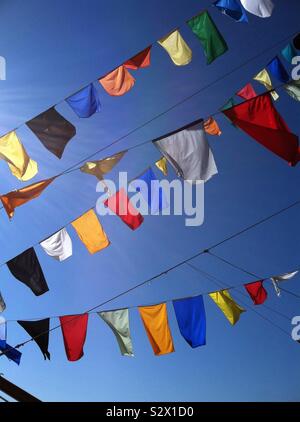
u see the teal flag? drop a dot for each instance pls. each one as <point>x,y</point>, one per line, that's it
<point>289,52</point>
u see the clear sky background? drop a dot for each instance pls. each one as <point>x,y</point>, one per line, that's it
<point>54,48</point>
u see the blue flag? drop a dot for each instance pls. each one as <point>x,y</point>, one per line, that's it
<point>232,9</point>
<point>11,353</point>
<point>289,52</point>
<point>85,102</point>
<point>190,314</point>
<point>276,68</point>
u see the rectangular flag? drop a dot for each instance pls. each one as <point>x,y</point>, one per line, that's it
<point>257,292</point>
<point>228,306</point>
<point>118,82</point>
<point>85,102</point>
<point>59,245</point>
<point>178,50</point>
<point>74,328</point>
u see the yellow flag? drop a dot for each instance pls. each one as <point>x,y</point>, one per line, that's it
<point>162,165</point>
<point>91,232</point>
<point>264,78</point>
<point>13,152</point>
<point>228,306</point>
<point>101,167</point>
<point>177,48</point>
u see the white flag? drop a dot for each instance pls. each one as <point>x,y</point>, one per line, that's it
<point>59,245</point>
<point>283,277</point>
<point>260,8</point>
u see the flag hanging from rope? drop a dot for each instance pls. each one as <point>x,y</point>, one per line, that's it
<point>228,306</point>
<point>140,60</point>
<point>2,332</point>
<point>276,68</point>
<point>162,165</point>
<point>118,82</point>
<point>39,332</point>
<point>211,127</point>
<point>293,89</point>
<point>260,8</point>
<point>2,303</point>
<point>264,78</point>
<point>74,328</point>
<point>101,167</point>
<point>282,277</point>
<point>232,9</point>
<point>178,50</point>
<point>59,245</point>
<point>257,292</point>
<point>247,93</point>
<point>289,52</point>
<point>85,102</point>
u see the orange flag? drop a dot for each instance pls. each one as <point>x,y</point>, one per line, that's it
<point>211,127</point>
<point>90,232</point>
<point>117,82</point>
<point>19,197</point>
<point>155,319</point>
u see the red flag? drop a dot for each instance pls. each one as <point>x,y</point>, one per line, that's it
<point>259,118</point>
<point>257,292</point>
<point>140,60</point>
<point>247,92</point>
<point>74,332</point>
<point>120,205</point>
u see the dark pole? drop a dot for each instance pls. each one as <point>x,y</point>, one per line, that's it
<point>16,392</point>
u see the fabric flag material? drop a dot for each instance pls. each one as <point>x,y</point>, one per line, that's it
<point>247,92</point>
<point>228,306</point>
<point>190,315</point>
<point>230,103</point>
<point>13,152</point>
<point>259,119</point>
<point>85,102</point>
<point>59,245</point>
<point>289,52</point>
<point>118,321</point>
<point>39,332</point>
<point>155,320</point>
<point>260,8</point>
<point>140,60</point>
<point>162,165</point>
<point>90,232</point>
<point>2,332</point>
<point>74,328</point>
<point>16,198</point>
<point>206,31</point>
<point>232,9</point>
<point>152,193</point>
<point>188,151</point>
<point>2,303</point>
<point>296,42</point>
<point>178,50</point>
<point>120,204</point>
<point>211,127</point>
<point>101,167</point>
<point>257,292</point>
<point>11,353</point>
<point>53,130</point>
<point>293,89</point>
<point>276,68</point>
<point>264,78</point>
<point>118,82</point>
<point>283,277</point>
<point>27,269</point>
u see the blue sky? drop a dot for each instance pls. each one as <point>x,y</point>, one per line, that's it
<point>54,48</point>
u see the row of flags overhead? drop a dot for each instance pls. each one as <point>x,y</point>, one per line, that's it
<point>190,315</point>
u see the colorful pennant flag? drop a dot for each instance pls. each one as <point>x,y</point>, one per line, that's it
<point>101,167</point>
<point>162,165</point>
<point>191,318</point>
<point>118,321</point>
<point>14,153</point>
<point>118,82</point>
<point>16,198</point>
<point>260,8</point>
<point>232,9</point>
<point>11,353</point>
<point>74,328</point>
<point>2,332</point>
<point>2,303</point>
<point>276,68</point>
<point>259,119</point>
<point>283,277</point>
<point>264,78</point>
<point>155,320</point>
<point>289,52</point>
<point>85,102</point>
<point>206,31</point>
<point>188,151</point>
<point>257,292</point>
<point>59,245</point>
<point>178,50</point>
<point>228,306</point>
<point>120,204</point>
<point>27,269</point>
<point>39,332</point>
<point>90,232</point>
<point>140,60</point>
<point>293,89</point>
<point>211,127</point>
<point>246,93</point>
<point>53,130</point>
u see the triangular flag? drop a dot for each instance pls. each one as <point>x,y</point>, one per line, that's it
<point>85,102</point>
<point>118,321</point>
<point>118,82</point>
<point>59,245</point>
<point>155,320</point>
<point>264,78</point>
<point>11,353</point>
<point>162,165</point>
<point>257,292</point>
<point>230,103</point>
<point>91,232</point>
<point>2,303</point>
<point>39,332</point>
<point>228,306</point>
<point>178,50</point>
<point>276,68</point>
<point>289,52</point>
<point>13,152</point>
<point>190,315</point>
<point>2,332</point>
<point>206,31</point>
<point>259,119</point>
<point>293,89</point>
<point>188,151</point>
<point>74,328</point>
<point>120,204</point>
<point>260,8</point>
<point>140,60</point>
<point>27,269</point>
<point>53,130</point>
<point>232,9</point>
<point>247,93</point>
<point>101,167</point>
<point>211,127</point>
<point>16,198</point>
<point>283,277</point>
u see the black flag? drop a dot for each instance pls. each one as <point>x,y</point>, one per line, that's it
<point>39,331</point>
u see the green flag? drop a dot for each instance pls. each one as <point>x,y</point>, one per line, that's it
<point>213,43</point>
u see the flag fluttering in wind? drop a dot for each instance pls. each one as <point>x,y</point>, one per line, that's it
<point>39,332</point>
<point>162,165</point>
<point>279,278</point>
<point>246,93</point>
<point>289,52</point>
<point>276,68</point>
<point>260,8</point>
<point>228,306</point>
<point>2,303</point>
<point>257,292</point>
<point>11,353</point>
<point>2,332</point>
<point>140,60</point>
<point>233,9</point>
<point>211,127</point>
<point>293,89</point>
<point>118,82</point>
<point>14,153</point>
<point>178,50</point>
<point>85,102</point>
<point>101,167</point>
<point>206,31</point>
<point>74,328</point>
<point>264,78</point>
<point>59,245</point>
